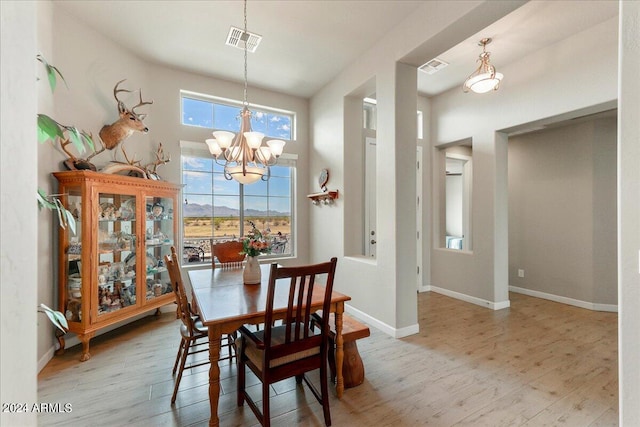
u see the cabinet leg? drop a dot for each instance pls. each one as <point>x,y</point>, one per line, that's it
<point>157,313</point>
<point>85,346</point>
<point>61,343</point>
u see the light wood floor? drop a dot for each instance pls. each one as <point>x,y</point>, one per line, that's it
<point>538,363</point>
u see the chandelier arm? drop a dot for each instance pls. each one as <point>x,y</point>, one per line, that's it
<point>266,176</point>
<point>218,162</point>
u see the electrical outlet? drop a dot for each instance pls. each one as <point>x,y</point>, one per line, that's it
<point>520,273</point>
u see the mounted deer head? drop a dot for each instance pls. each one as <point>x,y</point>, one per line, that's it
<point>129,121</point>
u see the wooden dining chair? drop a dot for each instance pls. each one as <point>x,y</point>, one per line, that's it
<point>292,348</point>
<point>227,253</point>
<point>193,334</point>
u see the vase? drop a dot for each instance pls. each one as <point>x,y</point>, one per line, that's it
<point>251,274</point>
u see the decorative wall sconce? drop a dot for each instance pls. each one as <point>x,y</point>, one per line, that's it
<point>326,197</point>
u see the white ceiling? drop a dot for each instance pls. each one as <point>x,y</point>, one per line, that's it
<point>307,43</point>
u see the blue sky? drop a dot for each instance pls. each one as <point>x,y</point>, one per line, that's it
<point>200,113</point>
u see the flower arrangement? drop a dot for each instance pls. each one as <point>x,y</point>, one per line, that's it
<point>256,242</point>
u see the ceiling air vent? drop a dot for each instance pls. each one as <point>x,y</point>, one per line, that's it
<point>237,38</point>
<point>433,66</point>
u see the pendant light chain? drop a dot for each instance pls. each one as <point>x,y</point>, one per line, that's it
<point>246,35</point>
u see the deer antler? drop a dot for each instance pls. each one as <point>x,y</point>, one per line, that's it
<point>121,106</point>
<point>96,151</point>
<point>140,104</point>
<point>132,161</point>
<point>63,145</point>
<point>76,163</point>
<point>161,159</point>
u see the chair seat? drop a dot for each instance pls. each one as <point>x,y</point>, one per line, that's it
<point>199,329</point>
<point>277,337</point>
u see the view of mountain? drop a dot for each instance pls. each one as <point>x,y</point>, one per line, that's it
<point>196,210</point>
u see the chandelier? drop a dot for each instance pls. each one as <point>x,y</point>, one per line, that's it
<point>243,155</point>
<point>485,78</point>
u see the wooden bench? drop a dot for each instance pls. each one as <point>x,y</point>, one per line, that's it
<point>352,366</point>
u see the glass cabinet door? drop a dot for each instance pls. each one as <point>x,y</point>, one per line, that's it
<point>159,237</point>
<point>116,252</point>
<point>73,259</point>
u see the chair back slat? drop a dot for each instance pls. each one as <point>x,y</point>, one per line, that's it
<point>297,320</point>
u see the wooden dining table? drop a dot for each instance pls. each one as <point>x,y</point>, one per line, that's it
<point>225,303</point>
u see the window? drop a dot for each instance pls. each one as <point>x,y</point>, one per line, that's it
<point>219,209</point>
<point>211,113</point>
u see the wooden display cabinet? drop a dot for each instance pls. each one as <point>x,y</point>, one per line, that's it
<point>112,268</point>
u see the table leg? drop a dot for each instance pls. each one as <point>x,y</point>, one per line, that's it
<point>214,374</point>
<point>339,350</point>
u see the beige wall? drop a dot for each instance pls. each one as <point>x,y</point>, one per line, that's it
<point>562,212</point>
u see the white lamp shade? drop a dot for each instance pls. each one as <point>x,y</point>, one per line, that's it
<point>263,154</point>
<point>483,83</point>
<point>254,139</point>
<point>276,146</point>
<point>224,138</point>
<point>214,148</point>
<point>251,175</point>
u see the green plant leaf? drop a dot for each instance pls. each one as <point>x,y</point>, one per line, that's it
<point>74,134</point>
<point>59,209</point>
<point>70,220</point>
<point>43,201</point>
<point>88,140</point>
<point>56,317</point>
<point>48,128</point>
<point>51,73</point>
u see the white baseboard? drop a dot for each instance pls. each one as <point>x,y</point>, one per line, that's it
<point>565,300</point>
<point>473,300</point>
<point>424,288</point>
<point>42,362</point>
<point>387,329</point>
<point>71,339</point>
